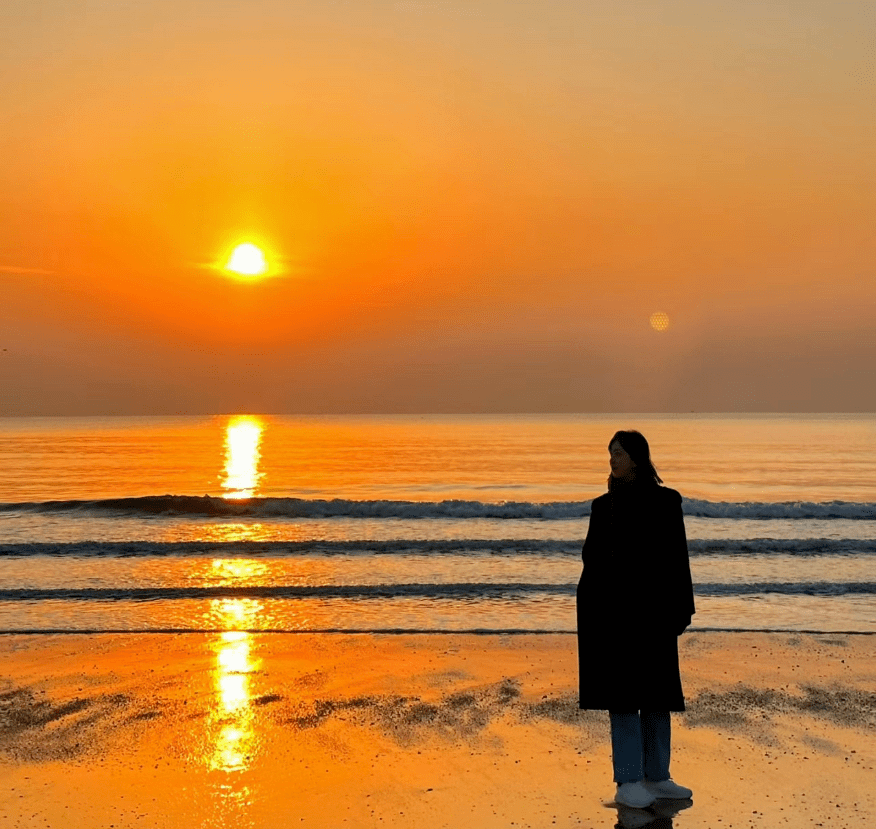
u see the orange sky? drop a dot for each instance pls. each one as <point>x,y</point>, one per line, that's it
<point>473,206</point>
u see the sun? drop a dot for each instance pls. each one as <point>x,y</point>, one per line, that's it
<point>659,321</point>
<point>247,260</point>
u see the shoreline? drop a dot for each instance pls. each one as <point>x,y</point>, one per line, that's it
<point>422,730</point>
<point>398,632</point>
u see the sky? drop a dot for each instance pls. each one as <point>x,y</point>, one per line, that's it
<point>465,206</point>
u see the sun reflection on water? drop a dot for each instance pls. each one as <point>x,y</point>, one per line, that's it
<point>237,571</point>
<point>243,436</point>
<point>257,531</point>
<point>235,740</point>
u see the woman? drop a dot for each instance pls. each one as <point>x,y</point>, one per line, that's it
<point>635,598</point>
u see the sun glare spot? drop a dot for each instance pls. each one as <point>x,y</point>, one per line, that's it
<point>659,321</point>
<point>233,716</point>
<point>242,439</point>
<point>247,260</point>
<point>237,571</point>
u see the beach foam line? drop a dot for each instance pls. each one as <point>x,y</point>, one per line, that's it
<point>225,549</point>
<point>208,505</point>
<point>389,631</point>
<point>561,548</point>
<point>463,591</point>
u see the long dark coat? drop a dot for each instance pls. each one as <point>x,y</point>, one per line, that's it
<point>634,599</point>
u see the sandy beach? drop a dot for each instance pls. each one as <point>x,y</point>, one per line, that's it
<point>279,730</point>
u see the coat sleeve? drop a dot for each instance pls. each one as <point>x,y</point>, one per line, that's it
<point>592,555</point>
<point>683,604</point>
<point>595,543</point>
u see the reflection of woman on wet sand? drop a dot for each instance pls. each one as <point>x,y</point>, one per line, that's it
<point>634,599</point>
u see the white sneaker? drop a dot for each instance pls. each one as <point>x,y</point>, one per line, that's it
<point>667,789</point>
<point>635,795</point>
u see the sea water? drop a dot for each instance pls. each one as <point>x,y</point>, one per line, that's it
<point>418,523</point>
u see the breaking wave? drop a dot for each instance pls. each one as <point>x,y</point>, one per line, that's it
<point>208,505</point>
<point>464,591</point>
<point>454,547</point>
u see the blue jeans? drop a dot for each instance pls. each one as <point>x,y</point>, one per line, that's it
<point>640,745</point>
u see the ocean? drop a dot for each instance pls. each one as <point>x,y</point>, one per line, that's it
<point>417,523</point>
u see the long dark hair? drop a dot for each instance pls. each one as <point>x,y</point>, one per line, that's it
<point>635,445</point>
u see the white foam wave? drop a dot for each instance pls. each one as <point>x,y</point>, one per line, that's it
<point>207,505</point>
<point>455,547</point>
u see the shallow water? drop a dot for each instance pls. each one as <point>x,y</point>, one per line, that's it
<point>485,515</point>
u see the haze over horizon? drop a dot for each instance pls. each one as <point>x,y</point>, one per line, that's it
<point>464,207</point>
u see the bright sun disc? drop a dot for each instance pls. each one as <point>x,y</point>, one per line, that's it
<point>247,260</point>
<point>659,321</point>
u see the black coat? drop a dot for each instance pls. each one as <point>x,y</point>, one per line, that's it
<point>635,598</point>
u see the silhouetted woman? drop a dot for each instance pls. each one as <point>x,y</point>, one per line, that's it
<point>635,599</point>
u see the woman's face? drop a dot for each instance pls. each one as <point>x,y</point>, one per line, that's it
<point>621,463</point>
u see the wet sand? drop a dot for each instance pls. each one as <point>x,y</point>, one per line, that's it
<point>280,730</point>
